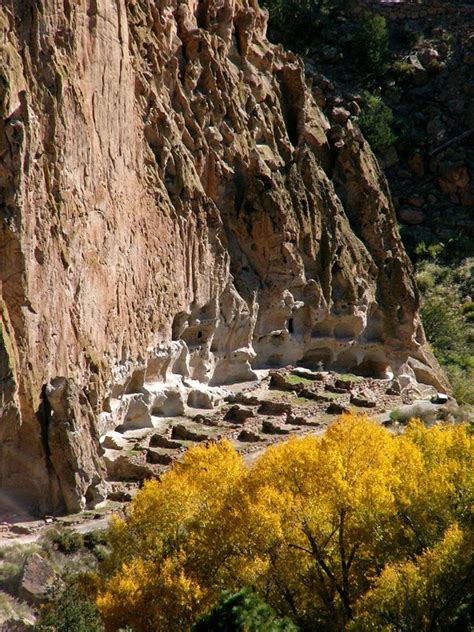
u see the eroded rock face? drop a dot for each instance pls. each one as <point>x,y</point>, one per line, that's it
<point>174,209</point>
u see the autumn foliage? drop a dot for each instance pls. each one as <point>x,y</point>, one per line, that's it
<point>354,530</point>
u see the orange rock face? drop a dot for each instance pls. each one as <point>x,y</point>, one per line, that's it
<point>172,207</point>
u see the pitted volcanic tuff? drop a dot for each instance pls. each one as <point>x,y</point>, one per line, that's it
<point>173,215</point>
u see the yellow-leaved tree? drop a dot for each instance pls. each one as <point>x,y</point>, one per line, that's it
<point>320,527</point>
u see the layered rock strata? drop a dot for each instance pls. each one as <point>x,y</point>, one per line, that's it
<point>176,211</point>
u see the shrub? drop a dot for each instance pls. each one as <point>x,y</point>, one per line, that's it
<point>371,43</point>
<point>376,122</point>
<point>11,570</point>
<point>95,538</point>
<point>462,383</point>
<point>65,540</point>
<point>242,612</point>
<point>12,611</point>
<point>468,311</point>
<point>68,611</point>
<point>443,321</point>
<point>403,69</point>
<point>425,280</point>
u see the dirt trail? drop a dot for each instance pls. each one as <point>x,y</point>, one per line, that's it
<point>9,539</point>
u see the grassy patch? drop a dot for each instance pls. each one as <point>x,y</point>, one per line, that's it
<point>296,379</point>
<point>275,394</point>
<point>350,377</point>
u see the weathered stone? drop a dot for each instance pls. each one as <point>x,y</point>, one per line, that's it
<point>159,441</point>
<point>268,427</point>
<point>336,409</point>
<point>324,397</point>
<point>339,115</point>
<point>38,577</point>
<point>307,373</point>
<point>249,437</point>
<point>279,381</point>
<point>269,407</point>
<point>295,420</point>
<point>185,434</point>
<point>394,387</point>
<point>74,449</point>
<point>344,385</point>
<point>239,414</point>
<point>114,441</point>
<point>439,398</point>
<point>363,400</point>
<point>427,56</point>
<point>337,388</point>
<point>126,467</point>
<point>410,216</point>
<point>159,458</point>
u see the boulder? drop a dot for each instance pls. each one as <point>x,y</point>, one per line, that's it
<point>38,577</point>
<point>427,56</point>
<point>239,414</point>
<point>340,116</point>
<point>186,434</point>
<point>336,409</point>
<point>269,427</point>
<point>344,385</point>
<point>248,436</point>
<point>73,443</point>
<point>114,441</point>
<point>159,441</point>
<point>269,407</point>
<point>158,457</point>
<point>363,400</point>
<point>127,467</point>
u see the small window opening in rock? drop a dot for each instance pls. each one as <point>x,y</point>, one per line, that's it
<point>290,326</point>
<point>200,335</point>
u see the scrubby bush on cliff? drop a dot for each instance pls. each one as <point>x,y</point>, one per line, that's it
<point>376,122</point>
<point>316,527</point>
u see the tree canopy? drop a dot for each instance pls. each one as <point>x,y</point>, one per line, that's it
<point>357,529</point>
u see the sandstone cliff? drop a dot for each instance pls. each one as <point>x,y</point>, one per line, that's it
<point>175,211</point>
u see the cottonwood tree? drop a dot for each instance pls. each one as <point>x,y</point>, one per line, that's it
<point>317,527</point>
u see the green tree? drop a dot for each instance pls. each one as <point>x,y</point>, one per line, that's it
<point>242,612</point>
<point>69,611</point>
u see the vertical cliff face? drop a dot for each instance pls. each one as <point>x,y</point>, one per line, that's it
<point>173,205</point>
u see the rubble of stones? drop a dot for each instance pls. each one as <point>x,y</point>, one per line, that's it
<point>286,402</point>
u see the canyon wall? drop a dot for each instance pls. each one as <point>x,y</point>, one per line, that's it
<point>175,211</point>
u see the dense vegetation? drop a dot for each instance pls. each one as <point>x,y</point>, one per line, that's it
<point>355,530</point>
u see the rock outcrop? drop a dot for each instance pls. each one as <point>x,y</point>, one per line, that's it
<point>175,214</point>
